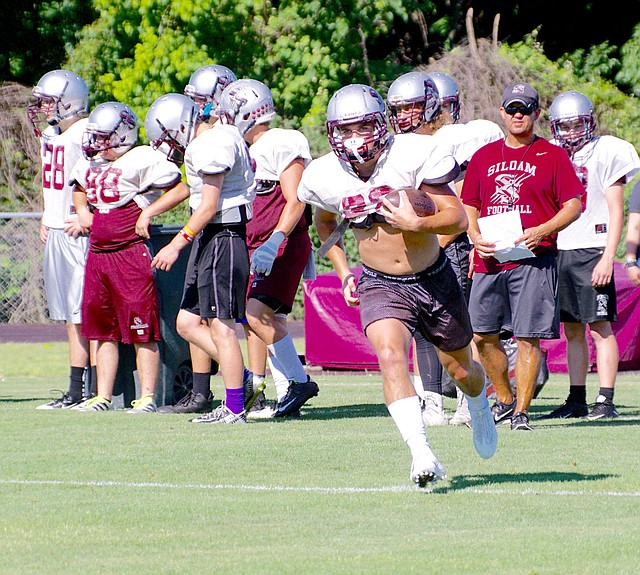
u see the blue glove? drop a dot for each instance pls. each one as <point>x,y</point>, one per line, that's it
<point>264,256</point>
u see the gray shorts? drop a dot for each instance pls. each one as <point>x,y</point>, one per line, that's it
<point>217,273</point>
<point>580,302</point>
<point>524,297</point>
<point>63,268</point>
<point>430,302</point>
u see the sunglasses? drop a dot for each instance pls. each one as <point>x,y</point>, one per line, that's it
<point>513,109</point>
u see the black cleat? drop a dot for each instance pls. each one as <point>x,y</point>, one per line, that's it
<point>520,422</point>
<point>297,395</point>
<point>602,409</point>
<point>190,403</point>
<point>502,412</point>
<point>568,410</point>
<point>63,402</point>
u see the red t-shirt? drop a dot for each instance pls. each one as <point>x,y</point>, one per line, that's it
<point>536,180</point>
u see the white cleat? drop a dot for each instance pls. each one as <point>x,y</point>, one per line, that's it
<point>426,470</point>
<point>485,436</point>
<point>432,410</point>
<point>462,415</point>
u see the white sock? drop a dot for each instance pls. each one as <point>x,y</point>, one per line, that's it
<point>479,402</point>
<point>280,380</point>
<point>257,380</point>
<point>285,352</point>
<point>418,386</point>
<point>407,415</point>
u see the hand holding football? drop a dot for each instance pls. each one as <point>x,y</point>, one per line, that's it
<point>422,203</point>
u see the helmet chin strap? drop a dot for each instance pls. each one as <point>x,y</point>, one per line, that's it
<point>352,145</point>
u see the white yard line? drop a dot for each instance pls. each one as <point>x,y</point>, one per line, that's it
<point>313,489</point>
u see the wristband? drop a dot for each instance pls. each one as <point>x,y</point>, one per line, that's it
<point>631,264</point>
<point>186,235</point>
<point>345,281</point>
<point>188,230</point>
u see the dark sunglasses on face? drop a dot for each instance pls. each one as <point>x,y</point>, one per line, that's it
<point>513,109</point>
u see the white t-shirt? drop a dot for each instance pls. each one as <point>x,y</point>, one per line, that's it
<point>139,175</point>
<point>220,150</point>
<point>599,164</point>
<point>59,153</point>
<point>408,161</point>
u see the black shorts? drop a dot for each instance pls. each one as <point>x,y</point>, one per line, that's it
<point>430,302</point>
<point>217,273</point>
<point>524,297</point>
<point>458,253</point>
<point>580,301</point>
<point>278,290</point>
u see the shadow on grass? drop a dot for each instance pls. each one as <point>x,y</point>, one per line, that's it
<point>461,482</point>
<point>8,399</point>
<point>345,411</point>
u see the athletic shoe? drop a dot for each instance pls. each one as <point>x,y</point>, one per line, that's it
<point>261,409</point>
<point>602,409</point>
<point>485,436</point>
<point>502,412</point>
<point>297,395</point>
<point>251,393</point>
<point>462,415</point>
<point>432,410</point>
<point>426,470</point>
<point>520,422</point>
<point>221,414</point>
<point>63,402</point>
<point>190,403</point>
<point>97,403</point>
<point>145,404</point>
<point>568,410</point>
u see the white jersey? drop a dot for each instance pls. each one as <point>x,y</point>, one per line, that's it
<point>141,174</point>
<point>599,164</point>
<point>408,161</point>
<point>465,139</point>
<point>59,152</point>
<point>274,151</point>
<point>220,150</point>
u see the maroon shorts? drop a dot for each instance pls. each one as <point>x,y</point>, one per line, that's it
<point>119,301</point>
<point>430,302</point>
<point>278,289</point>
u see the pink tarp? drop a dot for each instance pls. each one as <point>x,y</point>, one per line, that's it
<point>334,337</point>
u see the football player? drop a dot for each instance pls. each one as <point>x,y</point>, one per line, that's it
<point>277,237</point>
<point>114,182</point>
<point>429,104</point>
<point>407,282</point>
<point>587,250</point>
<point>220,173</point>
<point>59,118</point>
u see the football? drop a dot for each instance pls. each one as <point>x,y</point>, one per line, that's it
<point>421,202</point>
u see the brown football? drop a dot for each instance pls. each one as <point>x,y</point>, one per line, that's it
<point>421,202</point>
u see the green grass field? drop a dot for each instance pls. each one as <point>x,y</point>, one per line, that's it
<point>116,493</point>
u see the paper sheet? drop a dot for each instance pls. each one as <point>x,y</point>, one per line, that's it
<point>503,229</point>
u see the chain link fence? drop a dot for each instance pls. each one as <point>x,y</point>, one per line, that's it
<point>22,297</point>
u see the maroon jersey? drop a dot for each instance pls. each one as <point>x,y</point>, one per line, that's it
<point>114,229</point>
<point>536,180</point>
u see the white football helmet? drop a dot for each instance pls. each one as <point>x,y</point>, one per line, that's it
<point>415,89</point>
<point>572,120</point>
<point>245,103</point>
<point>352,104</point>
<point>111,126</point>
<point>60,95</point>
<point>449,94</point>
<point>206,85</point>
<point>171,124</point>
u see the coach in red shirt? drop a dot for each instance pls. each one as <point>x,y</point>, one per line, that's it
<point>528,174</point>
